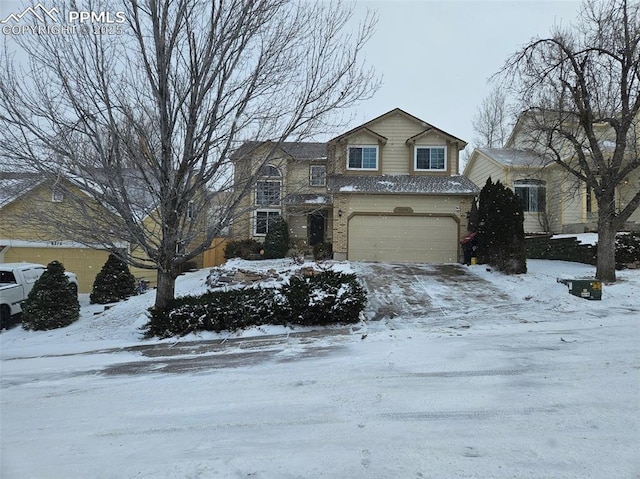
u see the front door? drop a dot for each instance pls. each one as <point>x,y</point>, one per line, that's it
<point>317,222</point>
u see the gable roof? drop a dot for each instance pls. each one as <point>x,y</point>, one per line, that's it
<point>299,150</point>
<point>515,157</point>
<point>427,127</point>
<point>432,185</point>
<point>15,185</point>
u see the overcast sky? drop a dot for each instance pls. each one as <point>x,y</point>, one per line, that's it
<point>436,56</point>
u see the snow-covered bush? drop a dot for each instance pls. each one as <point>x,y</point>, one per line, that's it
<point>326,298</point>
<point>53,301</point>
<point>113,283</point>
<point>329,297</point>
<point>627,249</point>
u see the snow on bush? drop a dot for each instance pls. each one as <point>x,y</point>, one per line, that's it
<point>326,298</point>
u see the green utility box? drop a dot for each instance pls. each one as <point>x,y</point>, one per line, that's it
<point>584,288</point>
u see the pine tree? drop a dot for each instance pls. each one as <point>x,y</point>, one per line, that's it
<point>113,283</point>
<point>501,229</point>
<point>276,243</point>
<point>53,301</point>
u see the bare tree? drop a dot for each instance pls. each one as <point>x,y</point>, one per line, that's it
<point>491,123</point>
<point>580,91</point>
<point>143,118</point>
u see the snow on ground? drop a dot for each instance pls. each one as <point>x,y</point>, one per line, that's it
<point>478,375</point>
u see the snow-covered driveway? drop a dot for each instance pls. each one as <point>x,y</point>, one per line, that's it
<point>504,377</point>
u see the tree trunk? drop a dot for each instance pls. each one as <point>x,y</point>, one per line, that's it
<point>166,287</point>
<point>606,265</point>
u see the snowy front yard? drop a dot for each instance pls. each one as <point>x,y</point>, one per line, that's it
<point>451,375</point>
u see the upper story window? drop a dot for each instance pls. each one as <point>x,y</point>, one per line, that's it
<point>269,186</point>
<point>317,175</point>
<point>532,193</point>
<point>271,171</point>
<point>364,157</point>
<point>430,158</point>
<point>268,193</point>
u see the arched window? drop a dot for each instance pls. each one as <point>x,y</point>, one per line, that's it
<point>270,171</point>
<point>532,193</point>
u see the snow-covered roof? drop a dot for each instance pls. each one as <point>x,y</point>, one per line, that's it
<point>14,185</point>
<point>403,184</point>
<point>515,157</point>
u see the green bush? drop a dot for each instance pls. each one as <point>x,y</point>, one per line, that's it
<point>326,298</point>
<point>501,229</point>
<point>322,251</point>
<point>113,283</point>
<point>53,301</point>
<point>276,242</point>
<point>627,249</point>
<point>323,299</point>
<point>245,249</point>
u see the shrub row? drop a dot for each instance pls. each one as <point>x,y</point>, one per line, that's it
<point>327,298</point>
<point>570,249</point>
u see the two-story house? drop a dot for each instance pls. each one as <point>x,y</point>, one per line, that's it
<point>388,190</point>
<point>553,200</point>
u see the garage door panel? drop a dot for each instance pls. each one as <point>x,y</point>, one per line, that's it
<point>403,239</point>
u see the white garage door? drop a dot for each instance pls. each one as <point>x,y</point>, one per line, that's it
<point>403,239</point>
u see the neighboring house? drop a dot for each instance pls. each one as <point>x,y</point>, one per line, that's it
<point>23,240</point>
<point>388,190</point>
<point>553,200</point>
<point>26,203</point>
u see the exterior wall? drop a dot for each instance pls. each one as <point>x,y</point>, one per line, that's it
<point>395,155</point>
<point>295,180</point>
<point>480,168</point>
<point>85,262</point>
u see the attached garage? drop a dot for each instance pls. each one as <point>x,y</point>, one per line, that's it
<point>85,262</point>
<point>403,239</point>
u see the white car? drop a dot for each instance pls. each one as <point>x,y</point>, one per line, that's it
<point>16,281</point>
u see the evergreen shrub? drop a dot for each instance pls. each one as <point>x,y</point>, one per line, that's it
<point>276,242</point>
<point>52,302</point>
<point>113,283</point>
<point>322,251</point>
<point>326,298</point>
<point>627,249</point>
<point>501,229</point>
<point>322,299</point>
<point>245,249</point>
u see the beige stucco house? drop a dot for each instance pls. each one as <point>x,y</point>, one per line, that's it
<point>553,201</point>
<point>388,190</point>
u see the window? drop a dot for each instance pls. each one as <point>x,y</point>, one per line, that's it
<point>362,158</point>
<point>430,158</point>
<point>57,196</point>
<point>270,170</point>
<point>268,193</point>
<point>263,220</point>
<point>317,175</point>
<point>533,194</point>
<point>268,190</point>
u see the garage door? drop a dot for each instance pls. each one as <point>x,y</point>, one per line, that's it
<point>403,239</point>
